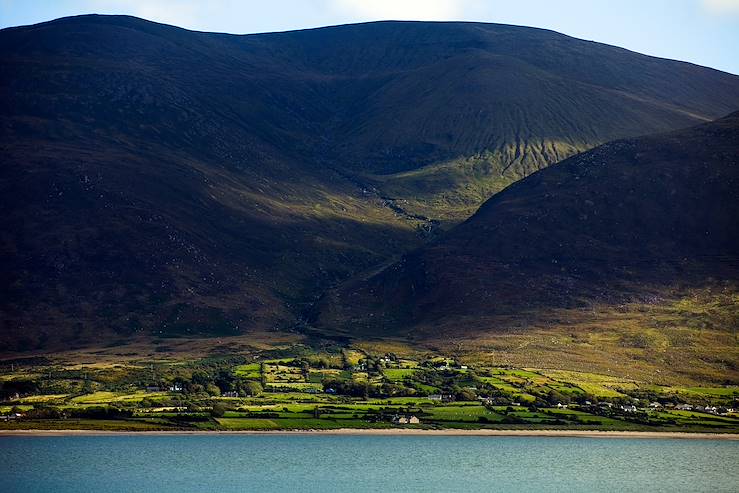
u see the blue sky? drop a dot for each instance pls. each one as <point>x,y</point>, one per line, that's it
<point>699,31</point>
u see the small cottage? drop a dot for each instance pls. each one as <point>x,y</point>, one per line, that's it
<point>406,420</point>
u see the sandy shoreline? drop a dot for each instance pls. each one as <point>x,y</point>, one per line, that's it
<point>394,432</point>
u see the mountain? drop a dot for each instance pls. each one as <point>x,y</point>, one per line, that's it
<point>156,180</point>
<point>633,220</point>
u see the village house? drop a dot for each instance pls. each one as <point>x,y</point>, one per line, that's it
<point>406,420</point>
<point>684,407</point>
<point>440,397</point>
<point>230,394</point>
<point>629,408</point>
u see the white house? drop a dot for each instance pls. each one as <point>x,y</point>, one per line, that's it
<point>406,420</point>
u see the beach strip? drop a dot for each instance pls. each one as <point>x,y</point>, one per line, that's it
<point>395,432</point>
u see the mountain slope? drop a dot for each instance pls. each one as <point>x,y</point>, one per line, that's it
<point>512,99</point>
<point>629,220</point>
<point>158,180</point>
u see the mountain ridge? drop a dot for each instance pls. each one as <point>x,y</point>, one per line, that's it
<point>162,181</point>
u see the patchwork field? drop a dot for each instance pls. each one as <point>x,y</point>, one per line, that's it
<point>296,387</point>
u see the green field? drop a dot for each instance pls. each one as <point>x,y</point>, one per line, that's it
<point>395,374</point>
<point>347,388</point>
<point>251,370</point>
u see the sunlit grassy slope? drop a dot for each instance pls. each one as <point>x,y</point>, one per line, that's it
<point>620,260</point>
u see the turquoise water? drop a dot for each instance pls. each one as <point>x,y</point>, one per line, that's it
<point>206,463</point>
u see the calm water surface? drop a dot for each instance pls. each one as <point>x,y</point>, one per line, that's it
<point>356,464</point>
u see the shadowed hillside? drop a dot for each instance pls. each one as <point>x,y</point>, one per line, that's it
<point>158,180</point>
<point>630,221</point>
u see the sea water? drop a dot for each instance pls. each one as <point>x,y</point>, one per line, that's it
<point>346,463</point>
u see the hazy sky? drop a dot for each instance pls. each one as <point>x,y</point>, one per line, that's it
<point>700,31</point>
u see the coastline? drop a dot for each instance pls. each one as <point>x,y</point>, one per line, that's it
<point>395,432</point>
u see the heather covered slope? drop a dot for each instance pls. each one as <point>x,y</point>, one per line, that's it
<point>444,112</point>
<point>158,180</point>
<point>630,221</point>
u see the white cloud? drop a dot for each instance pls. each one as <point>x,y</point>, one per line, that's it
<point>422,10</point>
<point>721,6</point>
